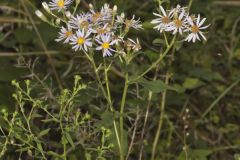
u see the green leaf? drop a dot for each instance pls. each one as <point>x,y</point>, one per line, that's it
<point>156,86</point>
<point>23,35</point>
<point>197,154</point>
<point>88,156</point>
<point>54,154</point>
<point>159,41</point>
<point>69,138</point>
<point>44,132</point>
<point>23,149</point>
<point>191,83</point>
<point>64,140</point>
<point>39,146</point>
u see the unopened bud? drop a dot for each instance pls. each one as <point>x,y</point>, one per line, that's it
<point>58,21</point>
<point>90,6</point>
<point>68,14</point>
<point>122,15</point>
<point>46,7</point>
<point>40,15</point>
<point>115,8</point>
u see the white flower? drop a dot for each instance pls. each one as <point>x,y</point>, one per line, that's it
<point>179,9</point>
<point>195,29</point>
<point>104,15</point>
<point>163,22</point>
<point>132,23</point>
<point>65,34</point>
<point>80,21</point>
<point>105,42</point>
<point>178,24</point>
<point>59,4</point>
<point>100,30</point>
<point>135,45</point>
<point>80,40</point>
<point>106,10</point>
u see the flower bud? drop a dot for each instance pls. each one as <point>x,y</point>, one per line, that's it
<point>122,15</point>
<point>58,21</point>
<point>46,7</point>
<point>90,6</point>
<point>68,14</point>
<point>40,15</point>
<point>115,8</point>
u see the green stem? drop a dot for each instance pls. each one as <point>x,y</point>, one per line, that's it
<point>220,97</point>
<point>158,60</point>
<point>122,115</point>
<point>107,96</point>
<point>110,104</point>
<point>162,108</point>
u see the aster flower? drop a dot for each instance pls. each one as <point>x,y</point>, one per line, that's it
<point>178,9</point>
<point>195,29</point>
<point>59,4</point>
<point>132,23</point>
<point>134,45</point>
<point>80,21</point>
<point>65,34</point>
<point>163,22</point>
<point>100,30</point>
<point>106,10</point>
<point>104,15</point>
<point>105,41</point>
<point>178,24</point>
<point>80,40</point>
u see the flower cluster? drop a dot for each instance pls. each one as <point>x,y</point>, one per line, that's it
<point>179,20</point>
<point>102,30</point>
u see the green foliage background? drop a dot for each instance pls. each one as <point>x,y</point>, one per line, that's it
<point>205,74</point>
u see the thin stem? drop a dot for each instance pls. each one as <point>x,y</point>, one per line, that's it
<point>43,46</point>
<point>158,60</point>
<point>220,97</point>
<point>121,114</point>
<point>107,96</point>
<point>97,76</point>
<point>150,94</point>
<point>107,84</point>
<point>162,108</point>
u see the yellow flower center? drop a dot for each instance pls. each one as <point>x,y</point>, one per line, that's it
<point>178,23</point>
<point>60,3</point>
<point>195,29</point>
<point>81,40</point>
<point>105,45</point>
<point>165,20</point>
<point>69,33</point>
